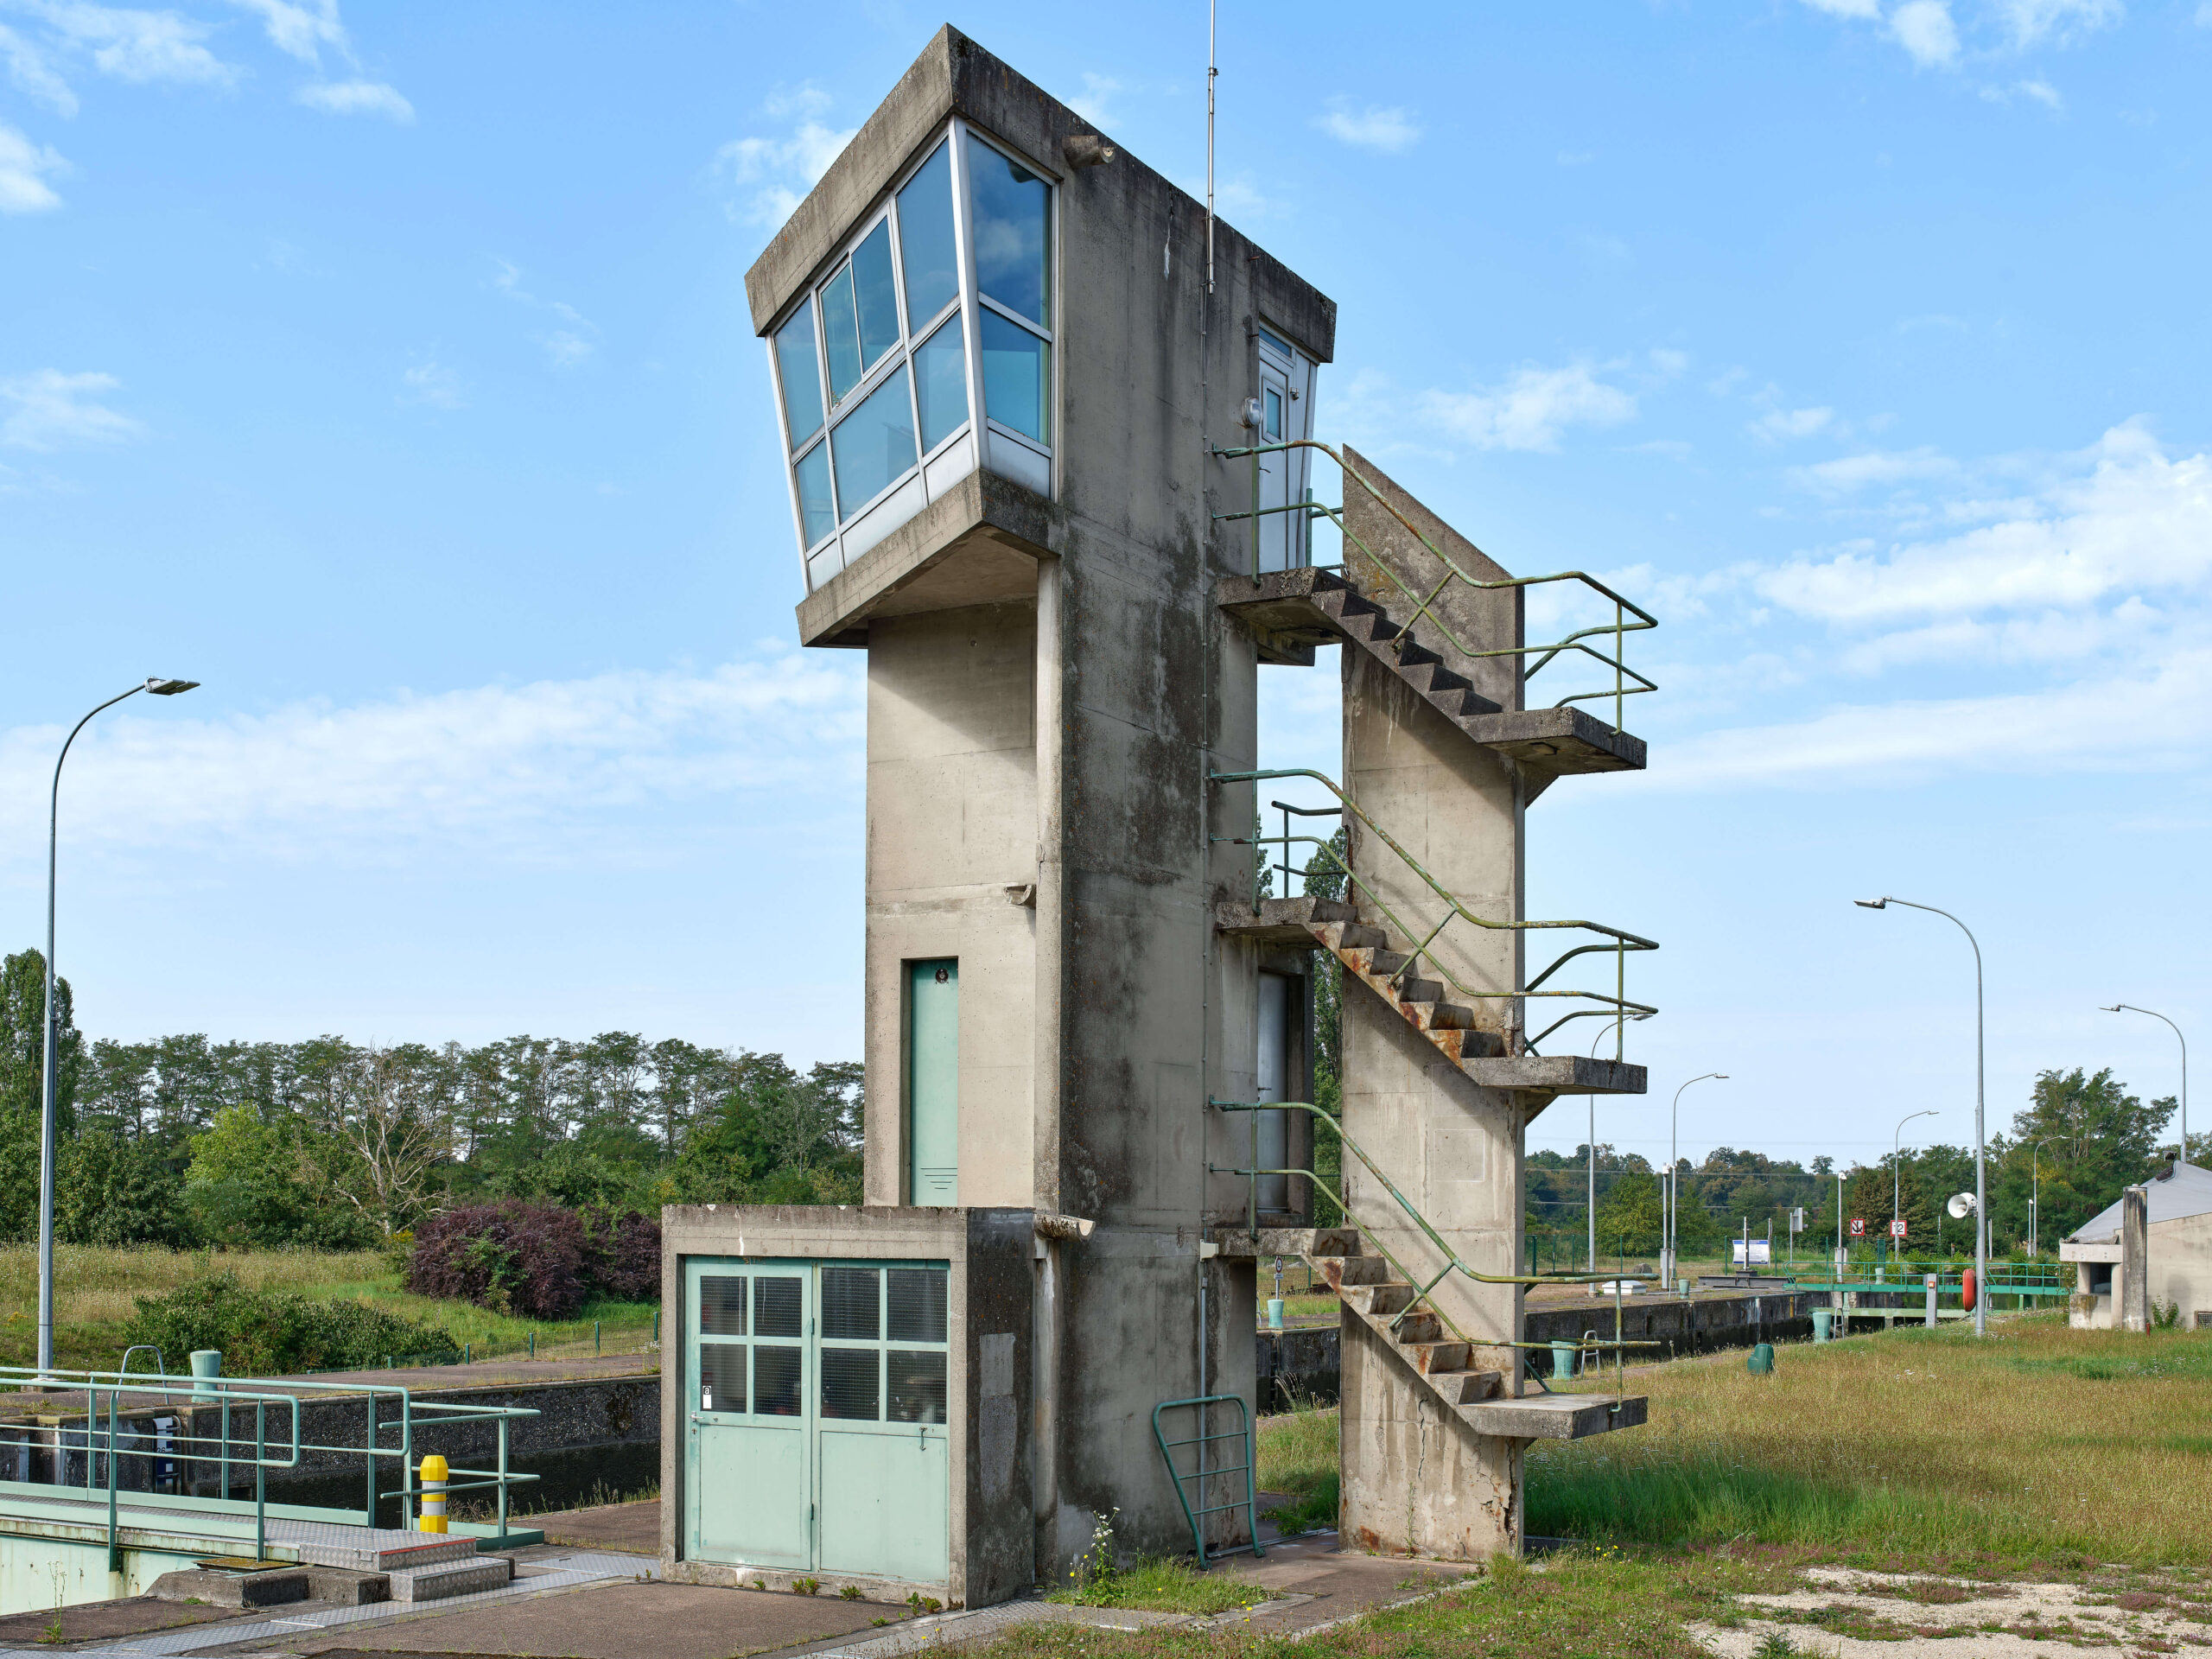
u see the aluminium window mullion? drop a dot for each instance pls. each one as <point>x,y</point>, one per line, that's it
<point>971,336</point>
<point>1013,316</point>
<point>792,461</point>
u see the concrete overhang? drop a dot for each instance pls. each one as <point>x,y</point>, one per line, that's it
<point>977,543</point>
<point>955,76</point>
<point>2069,1250</point>
<point>1556,1416</point>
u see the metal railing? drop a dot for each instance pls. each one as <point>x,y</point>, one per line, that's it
<point>1576,643</point>
<point>1453,1262</point>
<point>1616,1006</point>
<point>224,1396</point>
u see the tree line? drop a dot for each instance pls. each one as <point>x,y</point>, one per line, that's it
<point>2079,1141</point>
<point>333,1143</point>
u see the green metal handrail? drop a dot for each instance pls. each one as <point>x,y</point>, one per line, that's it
<point>1249,1504</point>
<point>226,1392</point>
<point>1614,1007</point>
<point>1620,628</point>
<point>1422,1293</point>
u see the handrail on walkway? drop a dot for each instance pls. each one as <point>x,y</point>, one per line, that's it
<point>1619,628</point>
<point>1615,1006</point>
<point>102,1388</point>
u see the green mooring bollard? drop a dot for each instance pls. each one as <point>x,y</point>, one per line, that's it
<point>595,1336</point>
<point>1761,1362</point>
<point>533,1345</point>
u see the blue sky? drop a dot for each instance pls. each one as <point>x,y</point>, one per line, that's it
<point>389,372</point>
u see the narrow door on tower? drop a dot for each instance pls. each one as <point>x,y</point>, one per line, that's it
<point>933,1080</point>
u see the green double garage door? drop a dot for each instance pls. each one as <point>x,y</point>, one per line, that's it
<point>816,1438</point>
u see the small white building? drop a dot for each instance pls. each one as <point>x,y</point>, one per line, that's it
<point>2150,1250</point>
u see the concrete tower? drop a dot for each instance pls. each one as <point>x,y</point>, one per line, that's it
<point>1005,359</point>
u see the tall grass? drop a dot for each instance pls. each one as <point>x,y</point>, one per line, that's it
<point>1299,1456</point>
<point>95,1288</point>
<point>2038,1438</point>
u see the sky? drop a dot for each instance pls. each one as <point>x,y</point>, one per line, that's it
<point>388,370</point>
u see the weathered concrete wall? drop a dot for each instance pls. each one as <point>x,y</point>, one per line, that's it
<point>2180,1256</point>
<point>951,845</point>
<point>1416,1478</point>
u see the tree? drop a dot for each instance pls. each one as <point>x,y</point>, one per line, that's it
<point>2099,1138</point>
<point>1629,1214</point>
<point>395,1131</point>
<point>22,1059</point>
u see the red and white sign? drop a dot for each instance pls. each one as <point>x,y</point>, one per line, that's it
<point>1859,1226</point>
<point>1897,1228</point>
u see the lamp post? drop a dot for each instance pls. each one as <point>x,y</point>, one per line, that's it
<point>1839,1225</point>
<point>51,1080</point>
<point>2130,1007</point>
<point>1897,1164</point>
<point>1672,1199</point>
<point>2035,1196</point>
<point>1980,1159</point>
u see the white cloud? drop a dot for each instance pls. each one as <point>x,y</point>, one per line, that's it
<point>1780,425</point>
<point>1386,130</point>
<point>565,347</point>
<point>1924,28</point>
<point>133,45</point>
<point>2137,520</point>
<point>2043,91</point>
<point>50,409</point>
<point>300,31</point>
<point>1528,409</point>
<point>24,169</point>
<point>2029,21</point>
<point>1850,473</point>
<point>430,382</point>
<point>1095,103</point>
<point>357,98</point>
<point>778,172</point>
<point>521,766</point>
<point>28,69</point>
<point>1864,9</point>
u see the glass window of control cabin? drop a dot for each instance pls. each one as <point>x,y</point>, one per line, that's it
<point>1012,210</point>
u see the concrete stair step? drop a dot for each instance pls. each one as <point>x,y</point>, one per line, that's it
<point>1467,1388</point>
<point>1386,961</point>
<point>1361,935</point>
<point>1417,1329</point>
<point>1418,990</point>
<point>388,1551</point>
<point>1381,1301</point>
<point>1434,1359</point>
<point>1355,1270</point>
<point>437,1583</point>
<point>1445,1016</point>
<point>1334,1242</point>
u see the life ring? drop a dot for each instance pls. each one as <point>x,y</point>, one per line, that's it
<point>1966,1289</point>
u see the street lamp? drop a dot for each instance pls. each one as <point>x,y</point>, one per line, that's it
<point>2035,1196</point>
<point>1896,1161</point>
<point>1980,1159</point>
<point>160,688</point>
<point>1673,1200</point>
<point>2130,1007</point>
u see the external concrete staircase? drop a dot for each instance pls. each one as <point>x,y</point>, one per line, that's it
<point>1365,949</point>
<point>1369,1286</point>
<point>1290,612</point>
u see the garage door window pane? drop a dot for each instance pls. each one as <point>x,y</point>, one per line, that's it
<point>849,1299</point>
<point>775,1306</point>
<point>721,1376</point>
<point>917,1304</point>
<point>874,446</point>
<point>917,1387</point>
<point>849,1386</point>
<point>722,1306</point>
<point>775,1381</point>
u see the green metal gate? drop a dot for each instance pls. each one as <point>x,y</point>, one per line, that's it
<point>817,1435</point>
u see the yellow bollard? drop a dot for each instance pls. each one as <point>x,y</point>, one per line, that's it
<point>434,1495</point>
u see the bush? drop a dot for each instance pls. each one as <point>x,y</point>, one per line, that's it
<point>263,1333</point>
<point>511,1257</point>
<point>622,1255</point>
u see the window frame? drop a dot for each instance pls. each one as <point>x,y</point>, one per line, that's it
<point>978,427</point>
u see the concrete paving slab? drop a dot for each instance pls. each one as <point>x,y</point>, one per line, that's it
<point>109,1621</point>
<point>632,1529</point>
<point>620,1620</point>
<point>1316,1582</point>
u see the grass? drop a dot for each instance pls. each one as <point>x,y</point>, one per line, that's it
<point>94,1290</point>
<point>1298,1456</point>
<point>2039,1439</point>
<point>1155,1583</point>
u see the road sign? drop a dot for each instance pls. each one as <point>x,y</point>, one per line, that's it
<point>1897,1228</point>
<point>1796,1221</point>
<point>1859,1226</point>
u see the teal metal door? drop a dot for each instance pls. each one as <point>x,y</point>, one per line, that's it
<point>933,1081</point>
<point>817,1433</point>
<point>748,1469</point>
